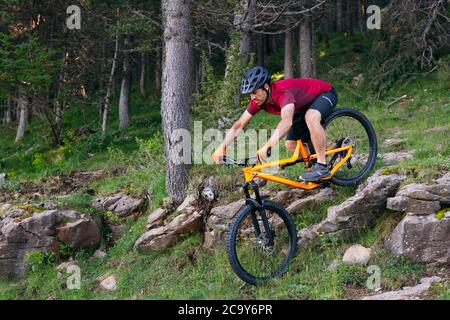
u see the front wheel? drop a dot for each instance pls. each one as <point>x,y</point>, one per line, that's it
<point>252,255</point>
<point>350,127</point>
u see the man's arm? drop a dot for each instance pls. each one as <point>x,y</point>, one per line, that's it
<point>237,127</point>
<point>287,115</point>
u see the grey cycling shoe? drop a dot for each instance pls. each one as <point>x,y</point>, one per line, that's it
<point>317,172</point>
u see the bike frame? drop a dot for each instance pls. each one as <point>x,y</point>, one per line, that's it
<point>300,155</point>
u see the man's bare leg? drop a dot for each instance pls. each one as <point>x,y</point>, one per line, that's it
<point>292,144</point>
<point>318,137</point>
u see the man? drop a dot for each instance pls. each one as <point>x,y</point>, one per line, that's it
<point>302,104</point>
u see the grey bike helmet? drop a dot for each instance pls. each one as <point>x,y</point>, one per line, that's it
<point>254,79</point>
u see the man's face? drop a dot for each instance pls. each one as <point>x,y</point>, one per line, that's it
<point>259,95</point>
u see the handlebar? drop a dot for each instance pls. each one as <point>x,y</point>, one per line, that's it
<point>242,163</point>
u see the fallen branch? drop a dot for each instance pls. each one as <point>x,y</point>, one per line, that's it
<point>396,100</point>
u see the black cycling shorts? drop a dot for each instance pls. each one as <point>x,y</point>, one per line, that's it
<point>325,103</point>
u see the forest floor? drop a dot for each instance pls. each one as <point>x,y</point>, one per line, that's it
<point>421,119</point>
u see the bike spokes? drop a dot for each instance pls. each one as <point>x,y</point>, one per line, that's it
<point>260,254</point>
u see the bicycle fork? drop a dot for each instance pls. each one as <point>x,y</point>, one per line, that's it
<point>258,203</point>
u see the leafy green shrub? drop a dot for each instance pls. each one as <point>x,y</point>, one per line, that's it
<point>150,153</point>
<point>65,251</point>
<point>37,260</point>
<point>353,274</point>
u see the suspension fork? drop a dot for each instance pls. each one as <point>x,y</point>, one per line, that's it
<point>258,204</point>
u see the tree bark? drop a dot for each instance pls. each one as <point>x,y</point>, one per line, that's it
<point>8,112</point>
<point>339,16</point>
<point>110,87</point>
<point>305,49</point>
<point>142,79</point>
<point>158,72</point>
<point>175,93</point>
<point>243,20</point>
<point>288,64</point>
<point>23,105</point>
<point>260,50</point>
<point>313,49</point>
<point>362,16</point>
<point>124,117</point>
<point>59,112</point>
<point>349,11</point>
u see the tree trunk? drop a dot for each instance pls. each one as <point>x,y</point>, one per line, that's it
<point>313,49</point>
<point>349,17</point>
<point>158,72</point>
<point>243,20</point>
<point>260,50</point>
<point>362,16</point>
<point>8,112</point>
<point>23,105</point>
<point>339,16</point>
<point>288,64</point>
<point>305,49</point>
<point>124,118</point>
<point>110,87</point>
<point>59,111</point>
<point>175,93</point>
<point>142,80</point>
<point>273,43</point>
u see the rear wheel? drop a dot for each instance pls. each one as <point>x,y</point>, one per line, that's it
<point>350,127</point>
<point>252,256</point>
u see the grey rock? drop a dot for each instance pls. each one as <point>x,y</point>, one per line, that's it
<point>308,237</point>
<point>189,204</point>
<point>4,209</point>
<point>2,178</point>
<point>407,293</point>
<point>439,192</point>
<point>435,192</point>
<point>445,179</point>
<point>65,265</point>
<point>314,199</point>
<point>218,221</point>
<point>99,254</point>
<point>82,233</point>
<point>208,194</point>
<point>156,218</point>
<point>334,265</point>
<point>356,213</point>
<point>163,237</point>
<point>421,199</point>
<point>288,196</point>
<point>396,143</point>
<point>396,157</point>
<point>423,239</point>
<point>120,204</point>
<point>412,206</point>
<point>109,283</point>
<point>118,229</point>
<point>43,232</point>
<point>123,207</point>
<point>357,254</point>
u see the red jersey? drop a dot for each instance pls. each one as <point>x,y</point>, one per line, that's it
<point>301,92</point>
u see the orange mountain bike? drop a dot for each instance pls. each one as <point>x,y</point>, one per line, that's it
<point>262,238</point>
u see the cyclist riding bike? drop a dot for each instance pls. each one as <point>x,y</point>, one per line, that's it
<point>303,105</point>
